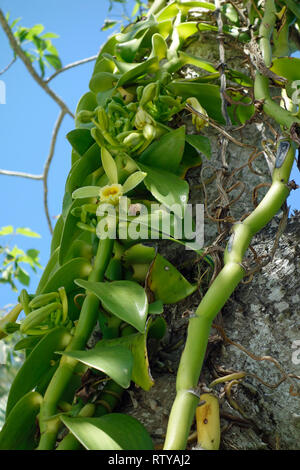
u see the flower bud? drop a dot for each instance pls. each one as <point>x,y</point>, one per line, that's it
<point>133,139</point>
<point>149,132</point>
<point>85,116</point>
<point>198,121</point>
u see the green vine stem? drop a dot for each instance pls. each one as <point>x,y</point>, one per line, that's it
<point>88,317</point>
<point>187,397</point>
<point>270,107</point>
<point>265,31</point>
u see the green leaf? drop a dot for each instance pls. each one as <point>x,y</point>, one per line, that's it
<point>103,81</point>
<point>114,361</point>
<point>128,50</point>
<point>187,29</point>
<point>145,68</point>
<point>137,344</point>
<point>51,267</point>
<point>170,11</point>
<point>208,96</point>
<point>166,187</point>
<point>114,431</point>
<point>167,152</point>
<point>133,180</point>
<point>188,59</point>
<point>22,276</point>
<point>201,143</point>
<point>87,164</point>
<point>66,274</point>
<point>81,140</point>
<point>36,364</point>
<point>54,61</point>
<point>27,232</point>
<point>86,191</point>
<point>50,36</point>
<point>125,299</point>
<point>7,230</point>
<point>167,282</point>
<point>23,417</point>
<point>287,67</point>
<point>35,31</point>
<point>87,102</point>
<point>108,24</point>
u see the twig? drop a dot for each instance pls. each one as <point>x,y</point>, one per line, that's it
<point>21,174</point>
<point>48,163</point>
<point>9,65</point>
<point>19,52</point>
<point>70,66</point>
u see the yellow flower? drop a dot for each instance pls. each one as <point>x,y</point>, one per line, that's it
<point>111,193</point>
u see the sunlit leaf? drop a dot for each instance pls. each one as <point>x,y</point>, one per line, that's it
<point>27,232</point>
<point>114,361</point>
<point>114,431</point>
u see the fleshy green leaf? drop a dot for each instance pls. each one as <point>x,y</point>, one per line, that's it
<point>103,81</point>
<point>287,67</point>
<point>114,431</point>
<point>166,153</point>
<point>81,140</point>
<point>137,344</point>
<point>125,299</point>
<point>167,282</point>
<point>201,143</point>
<point>114,361</point>
<point>166,187</point>
<point>207,94</point>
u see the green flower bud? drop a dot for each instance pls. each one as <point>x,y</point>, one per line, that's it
<point>149,93</point>
<point>133,139</point>
<point>85,116</point>
<point>149,132</point>
<point>198,121</point>
<point>142,118</point>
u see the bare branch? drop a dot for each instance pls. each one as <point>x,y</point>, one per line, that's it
<point>48,163</point>
<point>9,65</point>
<point>21,174</point>
<point>19,52</point>
<point>70,66</point>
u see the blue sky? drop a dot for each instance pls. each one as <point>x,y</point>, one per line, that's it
<point>28,117</point>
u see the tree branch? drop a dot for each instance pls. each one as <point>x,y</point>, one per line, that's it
<point>21,174</point>
<point>48,163</point>
<point>20,53</point>
<point>70,66</point>
<point>8,66</point>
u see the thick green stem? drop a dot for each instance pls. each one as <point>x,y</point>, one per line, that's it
<point>266,30</point>
<point>186,400</point>
<point>84,327</point>
<point>270,107</point>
